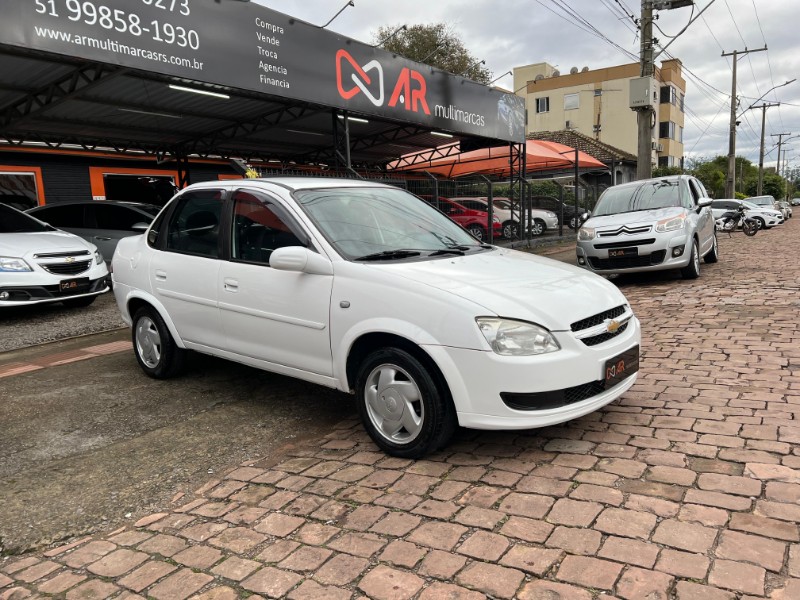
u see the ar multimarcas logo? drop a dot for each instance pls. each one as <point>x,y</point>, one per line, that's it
<point>409,89</point>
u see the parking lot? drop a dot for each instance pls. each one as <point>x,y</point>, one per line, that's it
<point>230,482</point>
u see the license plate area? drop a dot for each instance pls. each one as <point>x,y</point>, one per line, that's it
<point>623,252</point>
<point>74,286</point>
<point>621,367</point>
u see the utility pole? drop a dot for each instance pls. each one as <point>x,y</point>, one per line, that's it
<point>763,108</point>
<point>644,165</point>
<point>730,182</point>
<point>780,137</point>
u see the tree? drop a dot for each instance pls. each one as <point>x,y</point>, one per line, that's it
<point>437,45</point>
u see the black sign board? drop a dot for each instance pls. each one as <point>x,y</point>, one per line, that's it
<point>247,46</point>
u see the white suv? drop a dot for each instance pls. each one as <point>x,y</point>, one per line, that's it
<point>366,288</point>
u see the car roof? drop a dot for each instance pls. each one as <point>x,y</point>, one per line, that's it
<point>293,183</point>
<point>137,205</point>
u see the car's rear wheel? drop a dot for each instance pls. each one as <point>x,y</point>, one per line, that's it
<point>713,254</point>
<point>477,232</point>
<point>510,230</point>
<point>692,270</point>
<point>79,302</point>
<point>156,351</point>
<point>405,407</point>
<point>538,227</point>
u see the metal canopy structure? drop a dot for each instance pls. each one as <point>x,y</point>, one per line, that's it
<point>102,94</point>
<point>57,102</point>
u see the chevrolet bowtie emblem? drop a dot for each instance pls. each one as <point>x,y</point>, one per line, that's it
<point>70,259</point>
<point>612,325</point>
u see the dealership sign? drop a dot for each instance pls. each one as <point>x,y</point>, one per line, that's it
<point>250,47</point>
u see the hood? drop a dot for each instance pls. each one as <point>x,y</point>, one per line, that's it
<point>639,217</point>
<point>23,245</point>
<point>518,285</point>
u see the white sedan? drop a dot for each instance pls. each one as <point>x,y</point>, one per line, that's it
<point>40,264</point>
<point>541,220</point>
<point>367,289</point>
<point>766,217</point>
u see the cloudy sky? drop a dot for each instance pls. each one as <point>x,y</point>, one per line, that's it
<point>567,33</point>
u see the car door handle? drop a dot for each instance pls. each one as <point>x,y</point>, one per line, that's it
<point>102,239</point>
<point>231,285</point>
<point>161,275</point>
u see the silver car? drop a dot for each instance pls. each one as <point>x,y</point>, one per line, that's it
<point>650,225</point>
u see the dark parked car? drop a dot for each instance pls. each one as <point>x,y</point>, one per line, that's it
<point>17,201</point>
<point>100,222</point>
<point>571,218</point>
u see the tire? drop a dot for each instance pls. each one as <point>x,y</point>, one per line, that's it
<point>156,351</point>
<point>713,254</point>
<point>574,223</point>
<point>405,408</point>
<point>749,228</point>
<point>538,227</point>
<point>81,302</point>
<point>510,230</point>
<point>692,270</point>
<point>477,232</point>
<point>761,223</point>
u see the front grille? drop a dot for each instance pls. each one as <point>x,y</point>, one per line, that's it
<point>604,337</point>
<point>62,254</point>
<point>629,244</point>
<point>597,319</point>
<point>628,262</point>
<point>556,398</point>
<point>73,268</point>
<point>625,231</point>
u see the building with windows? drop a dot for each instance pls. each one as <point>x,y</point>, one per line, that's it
<point>596,103</point>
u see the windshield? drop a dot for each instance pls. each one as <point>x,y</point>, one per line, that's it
<point>14,221</point>
<point>360,221</point>
<point>762,200</point>
<point>629,198</point>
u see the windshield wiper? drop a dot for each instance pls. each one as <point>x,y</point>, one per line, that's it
<point>388,255</point>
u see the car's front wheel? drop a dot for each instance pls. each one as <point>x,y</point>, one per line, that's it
<point>405,409</point>
<point>713,254</point>
<point>156,351</point>
<point>538,227</point>
<point>692,270</point>
<point>477,232</point>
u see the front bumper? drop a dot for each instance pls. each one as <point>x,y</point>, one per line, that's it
<point>659,253</point>
<point>478,380</point>
<point>40,287</point>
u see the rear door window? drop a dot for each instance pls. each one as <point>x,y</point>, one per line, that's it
<point>194,226</point>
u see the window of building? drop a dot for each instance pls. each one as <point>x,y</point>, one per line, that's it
<point>682,102</point>
<point>543,105</point>
<point>680,134</point>
<point>667,129</point>
<point>669,95</point>
<point>598,92</point>
<point>572,101</point>
<point>21,188</point>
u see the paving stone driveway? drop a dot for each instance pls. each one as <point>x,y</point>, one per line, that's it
<point>688,488</point>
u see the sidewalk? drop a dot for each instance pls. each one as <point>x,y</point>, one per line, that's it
<point>688,488</point>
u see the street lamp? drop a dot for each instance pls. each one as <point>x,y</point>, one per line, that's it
<point>765,93</point>
<point>341,10</point>
<point>500,77</point>
<point>391,35</point>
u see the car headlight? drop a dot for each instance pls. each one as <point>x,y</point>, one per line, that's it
<point>550,214</point>
<point>98,258</point>
<point>586,233</point>
<point>495,220</point>
<point>671,224</point>
<point>9,264</point>
<point>516,338</point>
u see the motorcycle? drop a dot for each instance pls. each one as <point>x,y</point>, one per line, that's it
<point>733,219</point>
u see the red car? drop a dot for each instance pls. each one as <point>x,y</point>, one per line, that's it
<point>472,220</point>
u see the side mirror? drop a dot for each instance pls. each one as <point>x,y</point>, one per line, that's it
<point>585,216</point>
<point>703,202</point>
<point>140,227</point>
<point>300,260</point>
